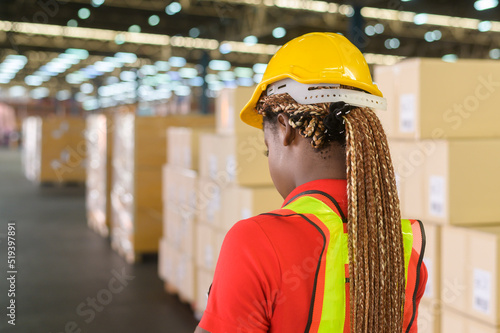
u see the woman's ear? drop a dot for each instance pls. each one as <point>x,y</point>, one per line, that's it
<point>287,132</point>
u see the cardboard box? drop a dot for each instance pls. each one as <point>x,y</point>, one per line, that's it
<point>237,159</point>
<point>54,149</point>
<point>429,317</point>
<point>432,260</point>
<point>453,322</point>
<point>209,209</point>
<point>384,79</point>
<point>208,156</point>
<point>204,279</point>
<point>248,202</point>
<point>140,147</point>
<point>461,174</point>
<point>184,146</point>
<point>98,175</point>
<point>186,278</point>
<point>437,99</point>
<point>206,252</point>
<point>409,159</point>
<point>165,260</point>
<point>228,105</point>
<point>180,232</point>
<point>470,280</point>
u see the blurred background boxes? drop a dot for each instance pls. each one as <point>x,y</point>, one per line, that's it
<point>454,322</point>
<point>433,99</point>
<point>440,180</point>
<point>471,272</point>
<point>228,105</point>
<point>139,154</point>
<point>55,150</point>
<point>429,317</point>
<point>99,134</point>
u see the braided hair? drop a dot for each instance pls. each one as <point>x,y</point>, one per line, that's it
<point>375,240</point>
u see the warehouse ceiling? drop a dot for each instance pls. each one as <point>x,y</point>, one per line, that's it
<point>51,34</point>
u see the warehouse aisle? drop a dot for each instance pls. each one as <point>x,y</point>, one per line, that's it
<point>68,278</point>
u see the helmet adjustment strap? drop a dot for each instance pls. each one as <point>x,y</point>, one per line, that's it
<point>303,94</point>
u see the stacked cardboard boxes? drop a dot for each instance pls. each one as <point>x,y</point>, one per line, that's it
<point>99,136</point>
<point>54,149</point>
<point>140,151</point>
<point>234,183</point>
<point>446,153</point>
<point>180,177</point>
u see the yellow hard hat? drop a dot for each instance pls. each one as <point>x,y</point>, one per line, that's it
<point>313,58</point>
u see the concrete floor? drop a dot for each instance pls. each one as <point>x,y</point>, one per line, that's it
<point>62,266</point>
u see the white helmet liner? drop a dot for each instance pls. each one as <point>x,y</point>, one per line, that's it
<point>303,94</point>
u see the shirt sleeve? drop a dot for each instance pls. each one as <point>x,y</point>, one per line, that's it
<point>246,282</point>
<point>420,293</point>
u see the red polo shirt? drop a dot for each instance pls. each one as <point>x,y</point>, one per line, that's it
<point>265,273</point>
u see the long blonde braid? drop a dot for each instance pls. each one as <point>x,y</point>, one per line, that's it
<point>375,241</point>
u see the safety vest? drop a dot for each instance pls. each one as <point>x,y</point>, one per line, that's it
<point>330,299</point>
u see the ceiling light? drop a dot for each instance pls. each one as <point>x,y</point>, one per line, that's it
<point>126,57</point>
<point>39,93</point>
<point>162,65</point>
<point>134,28</point>
<point>495,53</point>
<point>87,88</point>
<point>80,53</point>
<point>177,61</point>
<point>449,57</point>
<point>219,65</point>
<point>154,20</point>
<point>379,28</point>
<point>63,95</point>
<point>392,43</point>
<point>485,4</point>
<point>420,19</point>
<point>128,76</point>
<point>17,91</point>
<point>196,81</point>
<point>429,37</point>
<point>120,39</point>
<point>259,68</point>
<point>32,80</point>
<point>243,72</point>
<point>484,26</point>
<point>279,32</point>
<point>250,40</point>
<point>225,48</point>
<point>436,34</point>
<point>188,72</point>
<point>370,30</point>
<point>97,3</point>
<point>194,32</point>
<point>84,13</point>
<point>257,78</point>
<point>173,8</point>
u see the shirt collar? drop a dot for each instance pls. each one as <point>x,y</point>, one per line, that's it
<point>337,188</point>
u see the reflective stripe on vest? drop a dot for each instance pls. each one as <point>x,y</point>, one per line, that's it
<point>328,304</point>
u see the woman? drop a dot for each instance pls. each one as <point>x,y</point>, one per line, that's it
<point>336,257</point>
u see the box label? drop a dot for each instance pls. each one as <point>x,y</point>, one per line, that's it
<point>187,158</point>
<point>398,184</point>
<point>481,295</point>
<point>429,288</point>
<point>212,166</point>
<point>407,113</point>
<point>231,167</point>
<point>437,197</point>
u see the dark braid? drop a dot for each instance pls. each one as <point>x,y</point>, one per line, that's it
<point>375,240</point>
